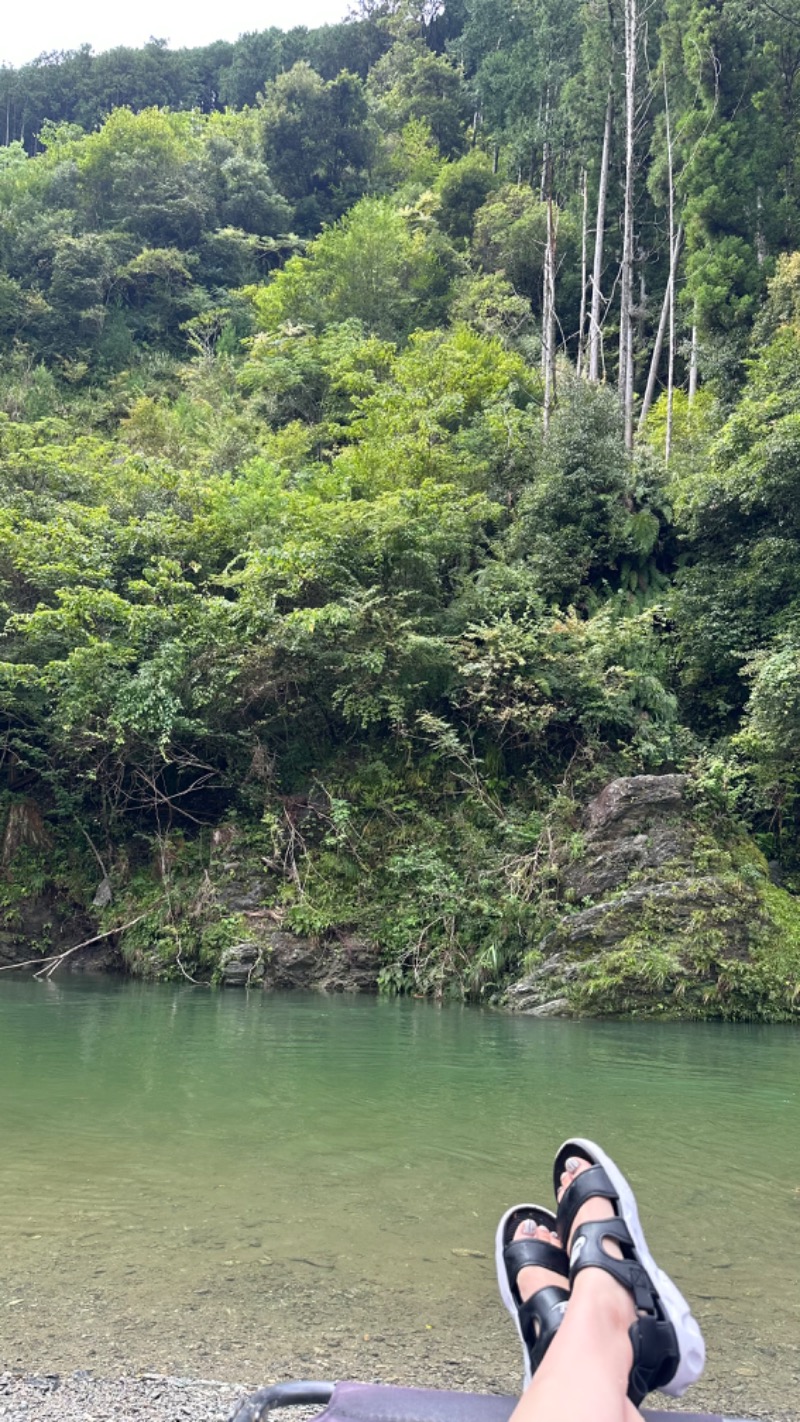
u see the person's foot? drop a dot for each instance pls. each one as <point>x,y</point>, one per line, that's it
<point>596,1208</point>
<point>533,1278</point>
<point>532,1274</point>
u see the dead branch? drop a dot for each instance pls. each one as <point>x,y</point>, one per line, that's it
<point>188,975</point>
<point>94,849</point>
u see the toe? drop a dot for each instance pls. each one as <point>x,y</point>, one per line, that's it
<point>529,1229</point>
<point>572,1168</point>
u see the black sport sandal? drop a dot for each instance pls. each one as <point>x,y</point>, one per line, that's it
<point>668,1348</point>
<point>538,1318</point>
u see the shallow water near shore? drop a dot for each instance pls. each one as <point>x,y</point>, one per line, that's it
<point>245,1186</point>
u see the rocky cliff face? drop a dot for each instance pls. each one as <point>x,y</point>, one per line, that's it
<point>660,914</point>
<point>268,955</point>
<point>272,958</point>
<point>41,925</point>
<point>43,921</point>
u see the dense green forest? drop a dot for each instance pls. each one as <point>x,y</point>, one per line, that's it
<point>399,438</point>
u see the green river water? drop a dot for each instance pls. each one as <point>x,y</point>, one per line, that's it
<point>247,1186</point>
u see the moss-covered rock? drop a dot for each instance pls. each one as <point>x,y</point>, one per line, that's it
<point>666,914</point>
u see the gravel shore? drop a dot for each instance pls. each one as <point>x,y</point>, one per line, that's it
<point>150,1397</point>
<point>80,1397</point>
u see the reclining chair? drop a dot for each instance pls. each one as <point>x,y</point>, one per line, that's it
<point>374,1402</point>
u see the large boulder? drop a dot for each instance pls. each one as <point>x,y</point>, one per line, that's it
<point>242,965</point>
<point>340,963</point>
<point>665,912</point>
<point>636,823</point>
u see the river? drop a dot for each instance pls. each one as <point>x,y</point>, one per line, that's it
<point>247,1186</point>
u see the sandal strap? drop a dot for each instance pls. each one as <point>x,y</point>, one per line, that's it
<point>587,1252</point>
<point>591,1182</point>
<point>546,1307</point>
<point>524,1253</point>
<point>656,1356</point>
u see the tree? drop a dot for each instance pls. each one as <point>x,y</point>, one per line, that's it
<point>256,60</point>
<point>626,314</point>
<point>141,173</point>
<point>572,521</point>
<point>317,142</point>
<point>462,188</point>
<point>770,734</point>
<point>511,235</point>
<point>409,82</point>
<point>156,286</point>
<point>732,155</point>
<point>376,265</point>
<point>740,588</point>
<point>520,59</point>
<point>354,45</point>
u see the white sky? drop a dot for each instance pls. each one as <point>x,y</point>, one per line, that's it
<point>29,29</point>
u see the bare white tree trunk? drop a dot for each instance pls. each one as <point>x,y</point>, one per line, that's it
<point>626,279</point>
<point>595,333</point>
<point>667,318</point>
<point>543,185</point>
<point>693,367</point>
<point>582,317</point>
<point>674,239</point>
<point>761,241</point>
<point>663,321</point>
<point>549,315</point>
